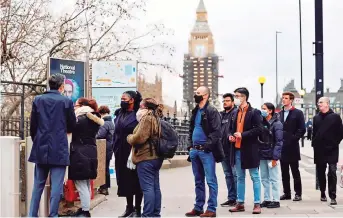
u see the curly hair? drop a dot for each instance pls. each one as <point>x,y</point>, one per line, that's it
<point>152,104</point>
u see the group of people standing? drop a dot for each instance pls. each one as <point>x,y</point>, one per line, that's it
<point>130,137</point>
<point>244,138</point>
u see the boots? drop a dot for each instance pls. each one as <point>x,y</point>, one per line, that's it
<point>137,212</point>
<point>129,210</point>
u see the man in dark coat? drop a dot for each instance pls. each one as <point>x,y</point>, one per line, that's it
<point>327,135</point>
<point>246,126</point>
<point>228,147</point>
<point>205,150</point>
<point>52,117</point>
<point>293,130</point>
<point>106,132</point>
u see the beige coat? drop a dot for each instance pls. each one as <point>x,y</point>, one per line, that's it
<point>146,129</point>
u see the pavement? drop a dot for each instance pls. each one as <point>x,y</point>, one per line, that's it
<point>177,186</point>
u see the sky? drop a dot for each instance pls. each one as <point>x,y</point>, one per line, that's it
<point>244,34</point>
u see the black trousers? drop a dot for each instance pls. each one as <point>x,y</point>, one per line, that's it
<point>332,178</point>
<point>286,177</point>
<point>108,178</point>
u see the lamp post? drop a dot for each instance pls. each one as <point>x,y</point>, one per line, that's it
<point>302,94</point>
<point>301,47</point>
<point>262,80</point>
<point>276,69</point>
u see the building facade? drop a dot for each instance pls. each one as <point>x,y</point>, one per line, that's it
<point>200,66</point>
<point>309,104</point>
<point>150,90</point>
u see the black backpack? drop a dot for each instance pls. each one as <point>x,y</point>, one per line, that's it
<point>168,140</point>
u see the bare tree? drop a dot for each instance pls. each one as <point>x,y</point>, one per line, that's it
<point>31,35</point>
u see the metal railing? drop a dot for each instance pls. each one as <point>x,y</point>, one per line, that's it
<point>12,127</point>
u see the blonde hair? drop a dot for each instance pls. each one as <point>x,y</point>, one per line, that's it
<point>152,104</point>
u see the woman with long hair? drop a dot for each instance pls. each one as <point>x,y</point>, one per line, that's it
<point>83,151</point>
<point>144,155</point>
<point>271,143</point>
<point>127,180</point>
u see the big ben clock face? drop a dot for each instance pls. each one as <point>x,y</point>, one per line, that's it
<point>200,51</point>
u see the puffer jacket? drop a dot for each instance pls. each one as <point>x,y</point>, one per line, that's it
<point>83,151</point>
<point>143,137</point>
<point>271,140</point>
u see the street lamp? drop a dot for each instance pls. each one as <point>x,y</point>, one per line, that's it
<point>302,94</point>
<point>276,68</point>
<point>262,80</point>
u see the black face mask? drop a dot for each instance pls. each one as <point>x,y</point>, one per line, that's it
<point>124,105</point>
<point>198,98</point>
<point>227,108</point>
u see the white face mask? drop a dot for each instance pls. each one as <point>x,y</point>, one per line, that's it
<point>237,102</point>
<point>140,113</point>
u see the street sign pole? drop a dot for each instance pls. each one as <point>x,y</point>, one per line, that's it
<point>319,56</point>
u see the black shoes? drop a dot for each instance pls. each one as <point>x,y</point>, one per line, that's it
<point>103,191</point>
<point>265,203</point>
<point>333,202</point>
<point>129,210</point>
<point>285,197</point>
<point>270,204</point>
<point>136,213</point>
<point>273,204</point>
<point>323,197</point>
<point>229,203</point>
<point>297,198</point>
<point>81,213</point>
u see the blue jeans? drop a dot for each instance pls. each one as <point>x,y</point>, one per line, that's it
<point>255,177</point>
<point>40,177</point>
<point>230,178</point>
<point>204,165</point>
<point>84,189</point>
<point>149,180</point>
<point>270,176</point>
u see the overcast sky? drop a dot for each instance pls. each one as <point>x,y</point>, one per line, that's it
<point>244,33</point>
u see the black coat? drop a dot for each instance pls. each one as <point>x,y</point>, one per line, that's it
<point>211,124</point>
<point>52,117</point>
<point>127,180</point>
<point>228,147</point>
<point>327,135</point>
<point>251,131</point>
<point>293,130</point>
<point>271,140</point>
<point>107,132</point>
<point>83,151</point>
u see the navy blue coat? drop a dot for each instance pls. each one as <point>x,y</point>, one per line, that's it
<point>271,140</point>
<point>107,132</point>
<point>251,131</point>
<point>52,117</point>
<point>293,130</point>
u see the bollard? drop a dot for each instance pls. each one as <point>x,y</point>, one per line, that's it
<point>30,170</point>
<point>9,171</point>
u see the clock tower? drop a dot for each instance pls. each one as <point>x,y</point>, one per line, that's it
<point>201,63</point>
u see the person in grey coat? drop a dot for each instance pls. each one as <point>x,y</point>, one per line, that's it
<point>106,132</point>
<point>52,117</point>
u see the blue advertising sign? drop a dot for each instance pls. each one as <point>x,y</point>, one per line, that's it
<point>74,72</point>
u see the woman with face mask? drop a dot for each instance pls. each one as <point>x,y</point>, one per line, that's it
<point>127,180</point>
<point>144,155</point>
<point>271,142</point>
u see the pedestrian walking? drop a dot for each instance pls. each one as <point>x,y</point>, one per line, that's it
<point>83,152</point>
<point>52,117</point>
<point>270,147</point>
<point>293,130</point>
<point>229,150</point>
<point>327,135</point>
<point>205,149</point>
<point>145,157</point>
<point>106,132</point>
<point>246,128</point>
<point>127,180</point>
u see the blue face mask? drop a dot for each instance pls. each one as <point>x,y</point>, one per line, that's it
<point>264,113</point>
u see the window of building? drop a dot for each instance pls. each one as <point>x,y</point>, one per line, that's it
<point>209,61</point>
<point>210,80</point>
<point>210,65</point>
<point>201,76</point>
<point>201,68</point>
<point>208,68</point>
<point>194,65</point>
<point>210,72</point>
<point>202,61</point>
<point>210,87</point>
